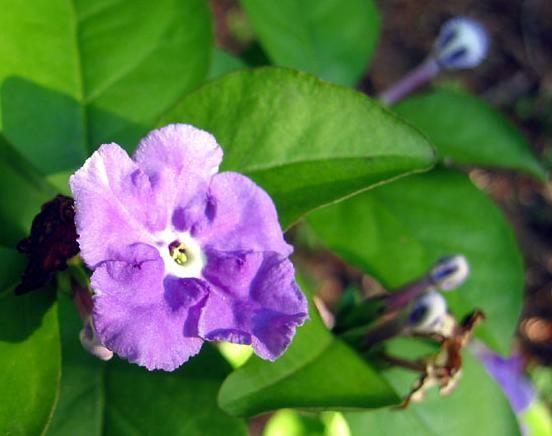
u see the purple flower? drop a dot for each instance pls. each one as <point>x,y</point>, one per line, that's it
<point>509,374</point>
<point>182,254</point>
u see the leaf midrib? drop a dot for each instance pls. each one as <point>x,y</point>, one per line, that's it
<point>389,156</point>
<point>80,79</point>
<point>85,99</point>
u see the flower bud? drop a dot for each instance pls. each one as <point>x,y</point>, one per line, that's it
<point>91,343</point>
<point>427,313</point>
<point>449,272</point>
<point>462,43</point>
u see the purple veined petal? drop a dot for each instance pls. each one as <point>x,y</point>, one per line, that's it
<point>110,192</point>
<point>233,272</point>
<point>179,149</point>
<point>181,159</point>
<point>130,268</point>
<point>143,316</point>
<point>240,216</point>
<point>254,300</point>
<point>273,332</point>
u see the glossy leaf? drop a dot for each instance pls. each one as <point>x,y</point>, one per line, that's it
<point>476,407</point>
<point>317,372</point>
<point>397,231</point>
<point>79,73</point>
<point>307,142</point>
<point>12,265</point>
<point>25,191</point>
<point>122,399</point>
<point>29,354</point>
<point>466,130</point>
<point>333,39</point>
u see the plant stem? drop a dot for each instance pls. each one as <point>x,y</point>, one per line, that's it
<point>413,79</point>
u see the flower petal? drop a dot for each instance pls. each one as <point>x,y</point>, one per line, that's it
<point>233,272</point>
<point>273,332</point>
<point>181,159</point>
<point>142,316</point>
<point>254,300</point>
<point>110,192</point>
<point>240,216</point>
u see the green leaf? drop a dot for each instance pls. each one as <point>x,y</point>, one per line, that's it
<point>317,372</point>
<point>30,355</point>
<point>307,142</point>
<point>292,423</point>
<point>76,73</point>
<point>467,130</point>
<point>21,202</point>
<point>11,266</point>
<point>397,231</point>
<point>223,62</point>
<point>333,39</point>
<point>476,407</point>
<point>122,399</point>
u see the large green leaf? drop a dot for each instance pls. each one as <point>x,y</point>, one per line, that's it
<point>317,372</point>
<point>333,39</point>
<point>29,354</point>
<point>307,142</point>
<point>24,192</point>
<point>467,130</point>
<point>397,231</point>
<point>11,266</point>
<point>76,73</point>
<point>122,399</point>
<point>476,407</point>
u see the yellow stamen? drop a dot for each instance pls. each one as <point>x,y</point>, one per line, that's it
<point>178,253</point>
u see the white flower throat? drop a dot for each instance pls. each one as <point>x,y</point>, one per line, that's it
<point>181,254</point>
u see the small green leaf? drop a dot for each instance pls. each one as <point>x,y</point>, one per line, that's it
<point>30,357</point>
<point>467,130</point>
<point>397,231</point>
<point>333,39</point>
<point>117,398</point>
<point>476,407</point>
<point>317,372</point>
<point>307,142</point>
<point>75,74</point>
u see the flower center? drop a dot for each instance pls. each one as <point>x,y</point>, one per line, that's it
<point>181,254</point>
<point>178,252</point>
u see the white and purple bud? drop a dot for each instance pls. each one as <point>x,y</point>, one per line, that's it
<point>449,272</point>
<point>462,43</point>
<point>428,313</point>
<point>446,274</point>
<point>90,342</point>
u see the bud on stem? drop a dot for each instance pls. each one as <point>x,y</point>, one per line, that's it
<point>462,43</point>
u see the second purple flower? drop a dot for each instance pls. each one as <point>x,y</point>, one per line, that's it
<point>182,254</point>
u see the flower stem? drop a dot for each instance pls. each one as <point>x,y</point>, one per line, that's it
<point>413,365</point>
<point>414,79</point>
